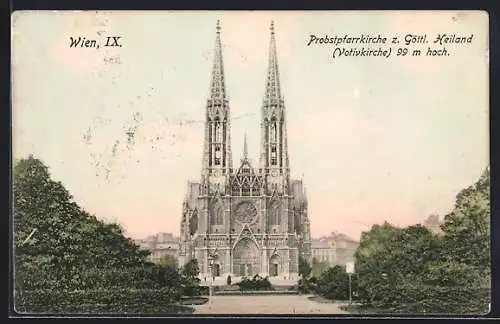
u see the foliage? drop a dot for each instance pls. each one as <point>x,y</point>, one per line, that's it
<point>318,267</point>
<point>102,301</point>
<point>414,270</point>
<point>411,297</point>
<point>65,241</point>
<point>60,248</point>
<point>467,228</point>
<point>189,278</point>
<point>229,280</point>
<point>149,276</point>
<point>169,261</point>
<point>334,283</point>
<point>256,283</point>
<point>304,268</point>
<point>304,285</point>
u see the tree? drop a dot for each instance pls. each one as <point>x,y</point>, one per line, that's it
<point>65,240</point>
<point>190,280</point>
<point>304,268</point>
<point>334,283</point>
<point>467,228</point>
<point>169,261</point>
<point>465,264</point>
<point>371,261</point>
<point>318,267</point>
<point>413,270</point>
<point>390,259</point>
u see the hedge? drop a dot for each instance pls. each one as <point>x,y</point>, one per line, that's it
<point>439,300</point>
<point>141,277</point>
<point>256,283</point>
<point>110,301</point>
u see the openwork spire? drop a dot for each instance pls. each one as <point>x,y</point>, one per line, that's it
<point>273,92</point>
<point>217,86</point>
<point>245,148</point>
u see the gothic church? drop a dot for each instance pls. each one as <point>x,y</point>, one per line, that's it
<point>245,220</point>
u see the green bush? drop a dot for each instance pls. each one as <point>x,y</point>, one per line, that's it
<point>411,298</point>
<point>256,283</point>
<point>304,285</point>
<point>229,280</point>
<point>102,301</point>
<point>148,276</point>
<point>334,284</point>
<point>189,279</point>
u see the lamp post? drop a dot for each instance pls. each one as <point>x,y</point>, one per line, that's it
<point>210,266</point>
<point>350,270</point>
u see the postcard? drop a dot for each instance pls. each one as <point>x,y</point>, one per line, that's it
<point>329,163</point>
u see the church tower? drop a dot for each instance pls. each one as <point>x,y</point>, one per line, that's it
<point>274,150</point>
<point>217,157</point>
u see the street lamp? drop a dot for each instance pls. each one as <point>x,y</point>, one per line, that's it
<point>210,266</point>
<point>350,270</point>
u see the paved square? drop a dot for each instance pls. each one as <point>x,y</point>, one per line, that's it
<point>287,304</point>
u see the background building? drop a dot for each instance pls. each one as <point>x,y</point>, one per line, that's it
<point>160,245</point>
<point>337,248</point>
<point>433,224</point>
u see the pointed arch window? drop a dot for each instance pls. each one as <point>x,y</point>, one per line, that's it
<point>218,130</point>
<point>217,215</point>
<point>245,188</point>
<point>218,154</point>
<point>255,189</point>
<point>193,224</point>
<point>236,189</point>
<point>274,216</point>
<point>274,131</point>
<point>274,155</point>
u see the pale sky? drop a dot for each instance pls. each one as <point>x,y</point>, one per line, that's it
<point>375,139</point>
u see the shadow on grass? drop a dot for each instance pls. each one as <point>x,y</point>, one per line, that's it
<point>360,309</point>
<point>182,309</point>
<point>103,310</point>
<point>322,300</point>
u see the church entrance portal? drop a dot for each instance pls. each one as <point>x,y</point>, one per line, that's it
<point>273,266</point>
<point>217,270</point>
<point>246,258</point>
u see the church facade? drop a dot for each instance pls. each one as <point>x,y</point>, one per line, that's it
<point>245,220</point>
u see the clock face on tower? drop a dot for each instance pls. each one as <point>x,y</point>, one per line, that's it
<point>245,212</point>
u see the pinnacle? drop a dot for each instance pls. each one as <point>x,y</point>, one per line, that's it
<point>245,148</point>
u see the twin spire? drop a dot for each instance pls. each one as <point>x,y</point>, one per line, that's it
<point>272,93</point>
<point>217,86</point>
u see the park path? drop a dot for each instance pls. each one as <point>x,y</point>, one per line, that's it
<point>269,304</point>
